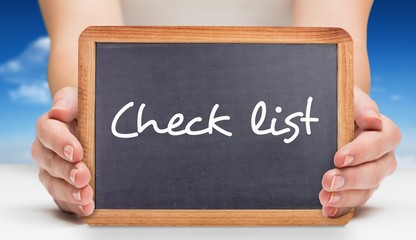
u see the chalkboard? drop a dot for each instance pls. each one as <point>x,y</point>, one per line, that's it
<point>212,125</point>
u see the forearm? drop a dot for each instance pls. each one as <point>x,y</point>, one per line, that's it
<point>65,20</point>
<point>351,15</point>
<point>63,68</point>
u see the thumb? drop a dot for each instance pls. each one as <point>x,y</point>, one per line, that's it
<point>366,113</point>
<point>65,105</point>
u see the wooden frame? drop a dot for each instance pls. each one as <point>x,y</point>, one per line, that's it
<point>93,35</point>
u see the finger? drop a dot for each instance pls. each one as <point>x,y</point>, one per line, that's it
<point>65,105</point>
<point>364,176</point>
<point>345,199</point>
<point>76,174</point>
<point>366,113</point>
<point>332,212</point>
<point>62,191</point>
<point>80,210</point>
<point>56,136</point>
<point>369,145</point>
<point>63,206</point>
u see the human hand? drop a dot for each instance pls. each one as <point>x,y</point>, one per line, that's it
<point>58,154</point>
<point>362,164</point>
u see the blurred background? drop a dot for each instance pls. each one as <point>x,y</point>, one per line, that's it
<point>24,94</point>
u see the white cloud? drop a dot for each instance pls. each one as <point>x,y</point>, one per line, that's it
<point>37,93</point>
<point>10,66</point>
<point>396,97</point>
<point>26,74</point>
<point>377,89</point>
<point>42,43</point>
<point>34,57</point>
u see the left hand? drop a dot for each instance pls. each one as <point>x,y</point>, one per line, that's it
<point>362,164</point>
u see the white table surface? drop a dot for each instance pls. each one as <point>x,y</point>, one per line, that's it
<point>27,212</point>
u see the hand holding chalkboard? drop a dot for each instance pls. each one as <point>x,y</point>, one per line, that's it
<point>213,125</point>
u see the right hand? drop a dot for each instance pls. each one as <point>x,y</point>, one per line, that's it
<point>58,154</point>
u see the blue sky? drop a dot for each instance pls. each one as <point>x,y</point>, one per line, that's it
<point>392,52</point>
<point>24,96</point>
<point>23,90</point>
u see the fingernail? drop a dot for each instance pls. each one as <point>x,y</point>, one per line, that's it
<point>81,208</point>
<point>337,182</point>
<point>72,175</point>
<point>62,103</point>
<point>373,113</point>
<point>334,198</point>
<point>348,160</point>
<point>333,213</point>
<point>68,152</point>
<point>77,195</point>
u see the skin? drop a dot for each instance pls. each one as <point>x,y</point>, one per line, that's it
<point>360,166</point>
